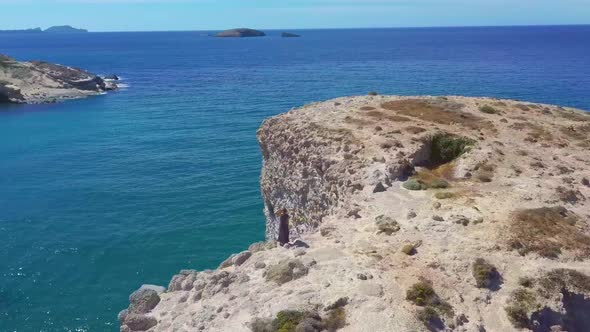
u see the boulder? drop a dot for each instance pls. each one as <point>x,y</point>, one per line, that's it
<point>285,271</point>
<point>143,301</point>
<point>137,322</point>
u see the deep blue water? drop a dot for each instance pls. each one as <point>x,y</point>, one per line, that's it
<point>98,196</point>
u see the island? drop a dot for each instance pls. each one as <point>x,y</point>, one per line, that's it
<point>53,29</point>
<point>240,33</point>
<point>407,214</point>
<point>42,82</point>
<point>289,35</point>
<point>64,29</point>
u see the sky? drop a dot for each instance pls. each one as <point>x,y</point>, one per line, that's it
<point>164,15</point>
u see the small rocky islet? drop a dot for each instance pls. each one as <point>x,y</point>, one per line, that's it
<point>409,214</point>
<point>42,82</point>
<point>240,33</point>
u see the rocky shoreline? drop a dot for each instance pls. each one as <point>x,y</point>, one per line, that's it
<point>42,82</point>
<point>410,214</point>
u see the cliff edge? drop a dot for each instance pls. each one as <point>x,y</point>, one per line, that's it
<point>410,214</point>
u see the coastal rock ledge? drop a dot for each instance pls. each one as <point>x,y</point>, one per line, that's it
<point>409,214</point>
<point>42,82</point>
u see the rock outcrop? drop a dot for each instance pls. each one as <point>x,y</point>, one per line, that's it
<point>417,214</point>
<point>42,82</point>
<point>289,35</point>
<point>240,33</point>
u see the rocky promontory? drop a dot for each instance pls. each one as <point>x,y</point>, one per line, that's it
<point>407,214</point>
<point>43,82</point>
<point>240,33</point>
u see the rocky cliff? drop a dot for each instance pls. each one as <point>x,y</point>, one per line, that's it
<point>412,214</point>
<point>42,82</point>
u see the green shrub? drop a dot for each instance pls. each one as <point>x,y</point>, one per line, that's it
<point>488,109</point>
<point>439,184</point>
<point>447,147</point>
<point>287,320</point>
<point>522,302</point>
<point>413,184</point>
<point>421,294</point>
<point>373,93</point>
<point>484,273</point>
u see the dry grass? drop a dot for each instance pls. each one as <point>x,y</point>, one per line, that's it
<point>414,130</point>
<point>547,231</point>
<point>578,133</point>
<point>380,116</point>
<point>557,280</point>
<point>367,108</point>
<point>536,132</point>
<point>437,112</point>
<point>579,116</point>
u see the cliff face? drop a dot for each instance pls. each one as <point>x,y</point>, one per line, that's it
<point>41,82</point>
<point>413,214</point>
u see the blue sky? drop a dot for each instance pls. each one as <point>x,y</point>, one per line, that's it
<point>142,15</point>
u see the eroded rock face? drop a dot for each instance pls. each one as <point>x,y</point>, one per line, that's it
<point>487,176</point>
<point>41,82</point>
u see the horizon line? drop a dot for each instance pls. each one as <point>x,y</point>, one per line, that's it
<point>343,28</point>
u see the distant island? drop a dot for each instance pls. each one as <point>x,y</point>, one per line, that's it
<point>53,29</point>
<point>64,29</point>
<point>240,33</point>
<point>289,35</point>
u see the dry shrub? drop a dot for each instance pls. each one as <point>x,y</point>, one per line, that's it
<point>578,133</point>
<point>367,108</point>
<point>557,280</point>
<point>437,112</point>
<point>415,130</point>
<point>547,231</point>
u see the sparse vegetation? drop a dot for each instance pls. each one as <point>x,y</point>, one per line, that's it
<point>288,320</point>
<point>488,109</point>
<point>335,320</point>
<point>547,231</point>
<point>409,249</point>
<point>444,195</point>
<point>413,184</point>
<point>557,280</point>
<point>526,282</point>
<point>438,111</point>
<point>422,294</point>
<point>286,271</point>
<point>367,108</point>
<point>439,184</point>
<point>373,93</point>
<point>521,303</point>
<point>485,274</point>
<point>446,147</point>
<point>386,225</point>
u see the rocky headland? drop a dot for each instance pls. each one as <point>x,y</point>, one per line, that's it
<point>407,214</point>
<point>240,33</point>
<point>42,82</point>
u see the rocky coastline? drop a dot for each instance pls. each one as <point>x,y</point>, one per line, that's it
<point>42,82</point>
<point>409,214</point>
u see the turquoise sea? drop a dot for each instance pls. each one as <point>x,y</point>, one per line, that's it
<point>100,195</point>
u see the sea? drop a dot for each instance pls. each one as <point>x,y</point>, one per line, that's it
<point>101,195</point>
